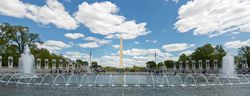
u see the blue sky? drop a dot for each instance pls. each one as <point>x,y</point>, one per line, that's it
<point>74,27</point>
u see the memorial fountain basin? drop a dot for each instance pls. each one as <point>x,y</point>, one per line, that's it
<point>115,80</point>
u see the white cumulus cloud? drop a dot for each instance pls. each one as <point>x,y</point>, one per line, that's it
<point>137,52</point>
<point>103,18</point>
<point>137,42</point>
<point>94,42</point>
<point>166,1</point>
<point>237,44</point>
<point>99,41</point>
<point>89,45</point>
<point>73,55</point>
<point>151,41</point>
<point>51,13</point>
<point>73,35</point>
<point>53,45</point>
<point>116,46</point>
<point>177,47</point>
<point>214,17</point>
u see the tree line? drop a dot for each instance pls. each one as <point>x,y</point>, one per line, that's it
<point>13,40</point>
<point>206,52</point>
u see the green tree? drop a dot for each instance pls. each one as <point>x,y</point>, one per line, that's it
<point>137,68</point>
<point>208,52</point>
<point>183,57</point>
<point>13,40</point>
<point>22,37</point>
<point>79,61</point>
<point>94,65</point>
<point>99,66</point>
<point>151,64</point>
<point>237,61</point>
<point>6,33</point>
<point>219,53</point>
<point>10,51</point>
<point>85,63</point>
<point>169,63</point>
<point>160,64</point>
<point>42,54</point>
<point>110,69</point>
<point>245,53</point>
<point>203,53</point>
<point>82,62</point>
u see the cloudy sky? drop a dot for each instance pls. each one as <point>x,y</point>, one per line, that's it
<point>169,27</point>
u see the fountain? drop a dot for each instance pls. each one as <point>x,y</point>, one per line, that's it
<point>26,66</point>
<point>27,77</point>
<point>228,67</point>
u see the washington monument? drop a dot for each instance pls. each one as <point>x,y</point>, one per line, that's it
<point>121,53</point>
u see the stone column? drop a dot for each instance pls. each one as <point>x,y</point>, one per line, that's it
<point>38,63</point>
<point>60,64</point>
<point>46,63</point>
<point>193,65</point>
<point>67,65</point>
<point>207,64</point>
<point>10,62</point>
<point>180,65</point>
<point>187,65</point>
<point>200,64</point>
<point>174,65</point>
<point>245,62</point>
<point>53,63</point>
<point>215,64</point>
<point>1,60</point>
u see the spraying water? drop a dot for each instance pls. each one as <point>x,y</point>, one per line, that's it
<point>228,66</point>
<point>27,62</point>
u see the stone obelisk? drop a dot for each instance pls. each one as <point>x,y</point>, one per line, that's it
<point>121,53</point>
